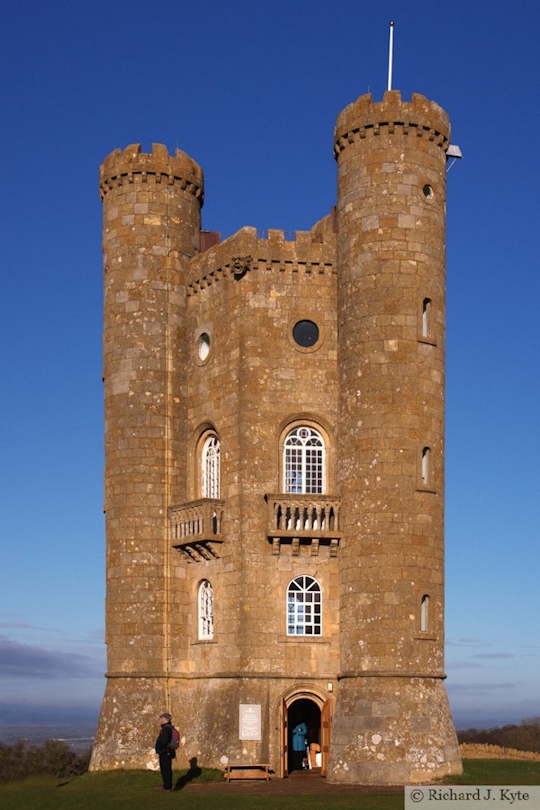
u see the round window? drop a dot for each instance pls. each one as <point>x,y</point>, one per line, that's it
<point>305,333</point>
<point>428,192</point>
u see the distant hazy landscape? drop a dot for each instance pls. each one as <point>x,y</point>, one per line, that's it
<point>78,736</point>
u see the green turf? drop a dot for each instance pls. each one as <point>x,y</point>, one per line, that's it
<point>139,790</point>
<point>498,772</point>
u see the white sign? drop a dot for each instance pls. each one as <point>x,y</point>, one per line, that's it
<point>250,721</point>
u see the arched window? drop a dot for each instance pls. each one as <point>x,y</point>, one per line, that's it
<point>210,464</point>
<point>206,610</point>
<point>424,614</point>
<point>304,461</point>
<point>304,607</point>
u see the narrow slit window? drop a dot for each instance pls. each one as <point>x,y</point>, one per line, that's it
<point>424,614</point>
<point>426,472</point>
<point>426,317</point>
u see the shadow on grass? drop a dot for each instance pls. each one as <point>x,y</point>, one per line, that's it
<point>192,773</point>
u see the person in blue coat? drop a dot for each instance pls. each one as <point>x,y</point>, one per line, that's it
<point>299,745</point>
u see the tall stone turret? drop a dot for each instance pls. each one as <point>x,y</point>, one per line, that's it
<point>151,229</point>
<point>392,722</point>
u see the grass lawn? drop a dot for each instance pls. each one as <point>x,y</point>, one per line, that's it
<point>136,790</point>
<point>497,772</point>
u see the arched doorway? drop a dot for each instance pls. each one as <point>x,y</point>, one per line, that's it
<point>310,713</point>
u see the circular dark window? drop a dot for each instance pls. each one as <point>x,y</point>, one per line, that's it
<point>428,192</point>
<point>306,333</point>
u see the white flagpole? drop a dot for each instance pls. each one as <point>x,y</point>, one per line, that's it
<point>390,54</point>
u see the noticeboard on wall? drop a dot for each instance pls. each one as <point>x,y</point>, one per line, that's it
<point>250,721</point>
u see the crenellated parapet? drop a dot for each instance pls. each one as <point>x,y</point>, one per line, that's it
<point>131,165</point>
<point>417,118</point>
<point>248,249</point>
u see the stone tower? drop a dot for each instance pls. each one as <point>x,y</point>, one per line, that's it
<point>151,210</point>
<point>392,721</point>
<point>274,464</point>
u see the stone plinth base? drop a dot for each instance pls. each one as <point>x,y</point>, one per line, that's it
<point>128,725</point>
<point>392,731</point>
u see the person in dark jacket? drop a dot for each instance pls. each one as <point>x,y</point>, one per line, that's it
<point>165,753</point>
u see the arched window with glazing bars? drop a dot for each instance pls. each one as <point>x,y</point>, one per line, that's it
<point>206,610</point>
<point>210,466</point>
<point>304,461</point>
<point>304,607</point>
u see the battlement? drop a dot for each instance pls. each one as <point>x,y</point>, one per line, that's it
<point>248,249</point>
<point>365,118</point>
<point>131,165</point>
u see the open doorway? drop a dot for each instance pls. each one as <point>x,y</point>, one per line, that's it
<point>304,736</point>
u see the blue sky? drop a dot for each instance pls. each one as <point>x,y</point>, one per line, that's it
<point>251,90</point>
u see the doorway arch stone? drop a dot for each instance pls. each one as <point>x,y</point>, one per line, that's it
<point>319,715</point>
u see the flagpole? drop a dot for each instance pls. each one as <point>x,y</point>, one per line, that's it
<point>390,54</point>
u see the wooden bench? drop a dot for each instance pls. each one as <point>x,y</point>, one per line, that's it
<point>243,770</point>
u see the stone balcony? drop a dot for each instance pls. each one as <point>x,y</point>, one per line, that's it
<point>195,528</point>
<point>303,520</point>
<point>292,521</point>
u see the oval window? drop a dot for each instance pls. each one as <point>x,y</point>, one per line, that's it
<point>204,346</point>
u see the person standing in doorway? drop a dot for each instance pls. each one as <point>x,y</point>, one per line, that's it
<point>164,751</point>
<point>299,745</point>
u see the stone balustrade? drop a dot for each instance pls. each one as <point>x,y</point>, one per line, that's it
<point>195,527</point>
<point>303,520</point>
